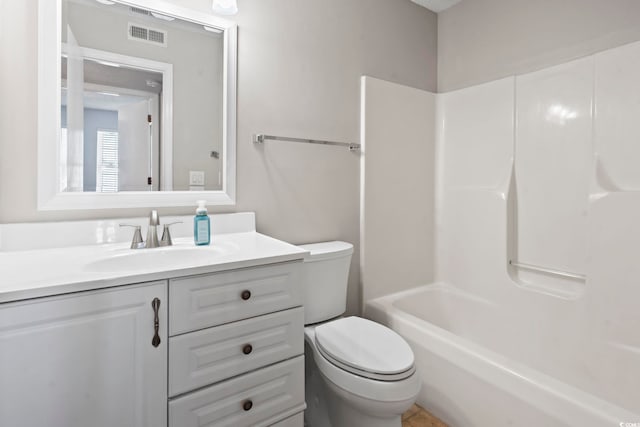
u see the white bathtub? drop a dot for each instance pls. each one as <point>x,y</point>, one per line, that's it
<point>472,358</point>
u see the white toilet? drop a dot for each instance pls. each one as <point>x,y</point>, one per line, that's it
<point>358,373</point>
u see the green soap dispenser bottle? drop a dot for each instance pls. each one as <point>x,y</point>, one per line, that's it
<point>201,225</point>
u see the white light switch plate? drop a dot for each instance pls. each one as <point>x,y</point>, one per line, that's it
<point>196,177</point>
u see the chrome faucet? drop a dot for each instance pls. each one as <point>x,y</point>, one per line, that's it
<point>166,235</point>
<point>136,241</point>
<point>152,230</point>
<point>152,233</point>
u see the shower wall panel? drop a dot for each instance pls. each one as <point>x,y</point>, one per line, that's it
<point>553,159</point>
<point>473,170</point>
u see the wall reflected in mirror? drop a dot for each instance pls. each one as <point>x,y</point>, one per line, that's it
<point>141,101</point>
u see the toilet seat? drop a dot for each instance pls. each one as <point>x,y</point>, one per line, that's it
<point>365,348</point>
<point>359,386</point>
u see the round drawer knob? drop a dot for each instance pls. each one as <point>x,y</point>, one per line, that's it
<point>247,349</point>
<point>245,295</point>
<point>247,405</point>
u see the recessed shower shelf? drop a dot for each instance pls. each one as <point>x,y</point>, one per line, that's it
<point>560,273</point>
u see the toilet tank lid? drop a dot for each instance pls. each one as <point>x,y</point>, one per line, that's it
<point>327,250</point>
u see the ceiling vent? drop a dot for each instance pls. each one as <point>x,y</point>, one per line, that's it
<point>141,33</point>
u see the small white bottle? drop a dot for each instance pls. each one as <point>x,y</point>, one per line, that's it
<point>201,225</point>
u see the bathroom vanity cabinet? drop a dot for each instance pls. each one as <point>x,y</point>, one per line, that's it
<point>246,325</point>
<point>222,348</point>
<point>84,359</point>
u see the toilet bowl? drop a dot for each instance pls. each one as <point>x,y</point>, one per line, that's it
<point>358,373</point>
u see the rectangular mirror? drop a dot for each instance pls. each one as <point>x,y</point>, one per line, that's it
<point>144,95</point>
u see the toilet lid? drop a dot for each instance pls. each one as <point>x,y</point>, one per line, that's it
<point>365,348</point>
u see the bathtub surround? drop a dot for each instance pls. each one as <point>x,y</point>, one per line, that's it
<point>398,133</point>
<point>539,169</point>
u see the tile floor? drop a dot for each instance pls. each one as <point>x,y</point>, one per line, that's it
<point>416,416</point>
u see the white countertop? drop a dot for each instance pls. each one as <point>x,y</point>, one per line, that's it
<point>26,274</point>
<point>45,272</point>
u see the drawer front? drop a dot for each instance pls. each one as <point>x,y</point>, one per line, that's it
<point>260,398</point>
<point>214,299</point>
<point>296,421</point>
<point>211,355</point>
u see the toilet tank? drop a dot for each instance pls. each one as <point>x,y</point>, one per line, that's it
<point>325,277</point>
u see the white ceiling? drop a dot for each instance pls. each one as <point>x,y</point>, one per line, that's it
<point>436,5</point>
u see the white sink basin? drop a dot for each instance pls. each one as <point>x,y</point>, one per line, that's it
<point>170,257</point>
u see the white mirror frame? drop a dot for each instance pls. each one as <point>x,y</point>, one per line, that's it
<point>49,98</point>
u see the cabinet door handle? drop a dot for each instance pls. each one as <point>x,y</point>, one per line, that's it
<point>247,405</point>
<point>247,349</point>
<point>155,304</point>
<point>245,295</point>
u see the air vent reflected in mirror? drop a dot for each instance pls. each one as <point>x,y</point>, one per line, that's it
<point>154,36</point>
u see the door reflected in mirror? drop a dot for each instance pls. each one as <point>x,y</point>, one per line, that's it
<point>142,101</point>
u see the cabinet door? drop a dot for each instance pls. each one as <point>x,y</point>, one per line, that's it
<point>85,359</point>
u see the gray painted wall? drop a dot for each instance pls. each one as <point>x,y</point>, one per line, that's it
<point>300,63</point>
<point>483,40</point>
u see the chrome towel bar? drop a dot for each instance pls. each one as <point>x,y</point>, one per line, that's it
<point>548,270</point>
<point>260,139</point>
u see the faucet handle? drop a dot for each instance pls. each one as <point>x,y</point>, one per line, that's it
<point>154,218</point>
<point>166,234</point>
<point>136,242</point>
